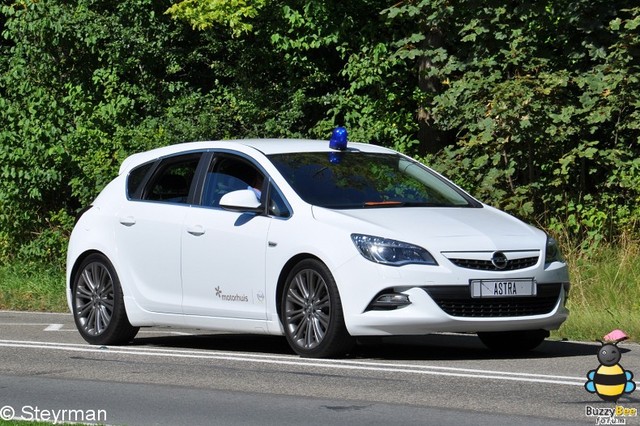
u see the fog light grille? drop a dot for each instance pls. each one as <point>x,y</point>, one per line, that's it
<point>457,301</point>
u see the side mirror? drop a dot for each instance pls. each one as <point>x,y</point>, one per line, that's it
<point>243,200</point>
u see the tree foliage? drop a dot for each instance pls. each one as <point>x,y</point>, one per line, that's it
<point>532,106</point>
<point>543,99</point>
<point>203,14</point>
<point>82,85</point>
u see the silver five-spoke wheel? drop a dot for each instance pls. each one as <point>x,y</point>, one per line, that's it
<point>307,309</point>
<point>98,306</point>
<point>312,313</point>
<point>94,298</point>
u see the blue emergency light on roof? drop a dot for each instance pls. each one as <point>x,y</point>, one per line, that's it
<point>338,139</point>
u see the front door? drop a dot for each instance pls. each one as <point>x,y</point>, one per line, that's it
<point>223,252</point>
<point>223,264</point>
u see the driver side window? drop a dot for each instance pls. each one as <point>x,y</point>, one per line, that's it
<point>227,174</point>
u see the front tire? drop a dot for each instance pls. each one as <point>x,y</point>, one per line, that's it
<point>98,306</point>
<point>513,341</point>
<point>312,312</point>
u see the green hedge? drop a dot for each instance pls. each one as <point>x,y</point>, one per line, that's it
<point>533,107</point>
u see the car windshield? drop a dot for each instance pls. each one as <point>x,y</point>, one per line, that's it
<point>353,179</point>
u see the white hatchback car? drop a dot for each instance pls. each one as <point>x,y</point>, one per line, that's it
<point>319,242</point>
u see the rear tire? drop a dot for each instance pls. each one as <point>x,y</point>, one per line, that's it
<point>513,341</point>
<point>98,305</point>
<point>312,312</point>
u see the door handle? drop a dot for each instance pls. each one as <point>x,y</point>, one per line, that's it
<point>128,220</point>
<point>196,230</point>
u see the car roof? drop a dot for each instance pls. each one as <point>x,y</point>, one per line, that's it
<point>264,146</point>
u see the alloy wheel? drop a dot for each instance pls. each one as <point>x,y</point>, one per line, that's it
<point>94,298</point>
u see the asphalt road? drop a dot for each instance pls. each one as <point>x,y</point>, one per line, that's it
<point>175,376</point>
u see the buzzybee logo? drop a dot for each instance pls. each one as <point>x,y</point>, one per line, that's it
<point>609,381</point>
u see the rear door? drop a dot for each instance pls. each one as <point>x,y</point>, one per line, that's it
<point>148,232</point>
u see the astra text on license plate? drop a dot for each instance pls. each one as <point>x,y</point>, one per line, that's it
<point>503,288</point>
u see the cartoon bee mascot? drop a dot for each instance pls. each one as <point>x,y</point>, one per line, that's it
<point>609,380</point>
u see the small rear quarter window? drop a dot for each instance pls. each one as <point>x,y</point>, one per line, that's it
<point>135,179</point>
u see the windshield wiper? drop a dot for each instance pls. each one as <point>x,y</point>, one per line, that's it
<point>404,204</point>
<point>383,203</point>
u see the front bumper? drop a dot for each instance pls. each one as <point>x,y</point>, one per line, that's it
<point>425,316</point>
<point>441,302</point>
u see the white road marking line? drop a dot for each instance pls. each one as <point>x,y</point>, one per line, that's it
<point>54,327</point>
<point>58,327</point>
<point>21,324</point>
<point>299,362</point>
<point>5,311</point>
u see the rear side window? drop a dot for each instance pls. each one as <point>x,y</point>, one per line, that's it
<point>172,181</point>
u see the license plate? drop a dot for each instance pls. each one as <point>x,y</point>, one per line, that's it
<point>503,288</point>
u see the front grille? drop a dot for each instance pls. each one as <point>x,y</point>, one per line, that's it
<point>457,301</point>
<point>487,265</point>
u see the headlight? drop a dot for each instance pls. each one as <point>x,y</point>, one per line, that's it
<point>552,252</point>
<point>391,252</point>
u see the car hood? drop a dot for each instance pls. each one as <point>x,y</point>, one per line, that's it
<point>443,229</point>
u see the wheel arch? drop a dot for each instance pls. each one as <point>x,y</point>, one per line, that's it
<point>324,311</point>
<point>105,295</point>
<point>78,262</point>
<point>76,266</point>
<point>284,273</point>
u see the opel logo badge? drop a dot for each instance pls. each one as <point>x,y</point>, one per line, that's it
<point>499,260</point>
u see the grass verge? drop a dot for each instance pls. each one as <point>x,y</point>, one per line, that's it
<point>605,290</point>
<point>32,287</point>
